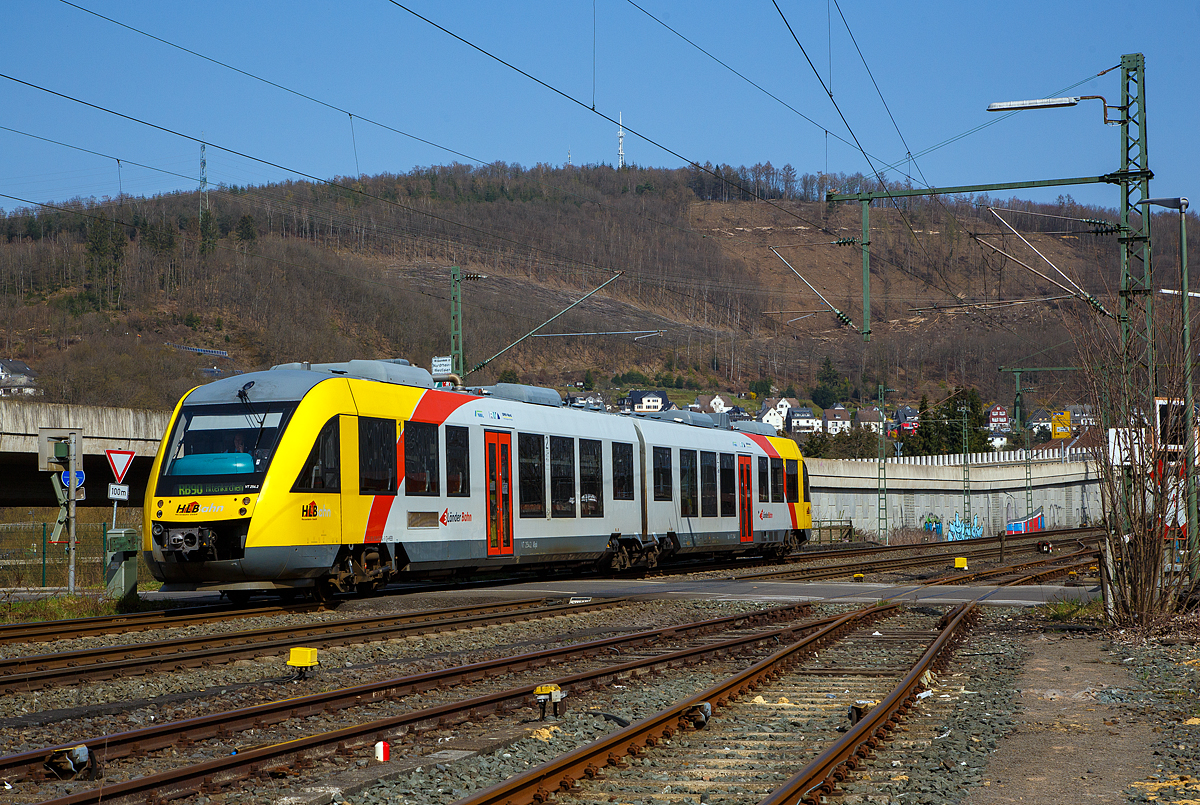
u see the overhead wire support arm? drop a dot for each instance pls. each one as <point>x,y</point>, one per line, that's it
<point>1075,294</point>
<point>613,279</point>
<point>1087,297</point>
<point>842,317</point>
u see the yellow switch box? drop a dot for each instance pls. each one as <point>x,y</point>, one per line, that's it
<point>960,563</point>
<point>303,657</point>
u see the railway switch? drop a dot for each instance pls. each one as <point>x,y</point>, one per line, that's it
<point>549,693</point>
<point>303,659</point>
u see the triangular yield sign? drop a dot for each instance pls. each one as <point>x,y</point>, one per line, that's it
<point>119,460</point>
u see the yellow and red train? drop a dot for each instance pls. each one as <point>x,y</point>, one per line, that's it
<point>333,477</point>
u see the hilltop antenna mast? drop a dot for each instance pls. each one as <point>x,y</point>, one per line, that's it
<point>203,182</point>
<point>568,157</point>
<point>620,143</point>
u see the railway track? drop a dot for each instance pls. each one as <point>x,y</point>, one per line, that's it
<point>747,734</point>
<point>44,670</point>
<point>248,763</point>
<point>46,631</point>
<point>901,563</point>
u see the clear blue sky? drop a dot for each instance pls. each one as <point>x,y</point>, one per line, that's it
<point>938,64</point>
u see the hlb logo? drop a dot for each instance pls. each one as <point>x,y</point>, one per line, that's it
<point>311,511</point>
<point>195,508</point>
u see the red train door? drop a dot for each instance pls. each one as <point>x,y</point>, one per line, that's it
<point>745,500</point>
<point>498,447</point>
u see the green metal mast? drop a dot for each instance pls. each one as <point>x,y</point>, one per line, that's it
<point>456,356</point>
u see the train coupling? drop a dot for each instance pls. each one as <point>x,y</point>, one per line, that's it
<point>548,694</point>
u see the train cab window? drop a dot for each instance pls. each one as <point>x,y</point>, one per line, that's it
<point>458,462</point>
<point>591,478</point>
<point>728,486</point>
<point>791,468</point>
<point>708,484</point>
<point>531,474</point>
<point>662,473</point>
<point>622,463</point>
<point>777,480</point>
<point>377,456</point>
<point>321,469</point>
<point>689,489</point>
<point>807,490</point>
<point>422,475</point>
<point>764,481</point>
<point>562,476</point>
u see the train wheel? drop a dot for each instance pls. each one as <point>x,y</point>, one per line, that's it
<point>324,590</point>
<point>366,587</point>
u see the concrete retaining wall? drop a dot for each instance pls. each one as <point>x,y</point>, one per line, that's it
<point>103,428</point>
<point>1068,493</point>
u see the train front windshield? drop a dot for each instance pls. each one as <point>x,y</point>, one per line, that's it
<point>222,449</point>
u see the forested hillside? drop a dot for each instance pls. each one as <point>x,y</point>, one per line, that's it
<point>91,290</point>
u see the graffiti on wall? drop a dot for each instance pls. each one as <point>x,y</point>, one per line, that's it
<point>959,528</point>
<point>933,523</point>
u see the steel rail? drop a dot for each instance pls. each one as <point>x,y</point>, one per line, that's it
<point>211,776</point>
<point>881,566</point>
<point>39,671</point>
<point>42,631</point>
<point>1047,564</point>
<point>821,776</point>
<point>539,783</point>
<point>28,765</point>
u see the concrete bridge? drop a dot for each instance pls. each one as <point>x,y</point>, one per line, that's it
<point>1065,486</point>
<point>22,484</point>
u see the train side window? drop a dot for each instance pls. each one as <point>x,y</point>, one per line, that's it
<point>531,472</point>
<point>777,480</point>
<point>591,478</point>
<point>622,461</point>
<point>662,473</point>
<point>376,456</point>
<point>562,476</point>
<point>791,468</point>
<point>728,486</point>
<point>708,484</point>
<point>807,490</point>
<point>764,481</point>
<point>689,489</point>
<point>422,475</point>
<point>458,462</point>
<point>321,471</point>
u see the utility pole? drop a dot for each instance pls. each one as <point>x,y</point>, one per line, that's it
<point>72,486</point>
<point>881,502</point>
<point>964,409</point>
<point>456,346</point>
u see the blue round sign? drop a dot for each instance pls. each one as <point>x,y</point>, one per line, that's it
<point>66,478</point>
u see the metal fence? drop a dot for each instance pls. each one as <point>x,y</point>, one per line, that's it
<point>28,557</point>
<point>828,532</point>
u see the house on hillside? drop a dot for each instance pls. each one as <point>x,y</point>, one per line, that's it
<point>710,404</point>
<point>775,411</point>
<point>997,418</point>
<point>869,418</point>
<point>646,402</point>
<point>802,421</point>
<point>1039,422</point>
<point>836,419</point>
<point>1081,417</point>
<point>591,401</point>
<point>16,378</point>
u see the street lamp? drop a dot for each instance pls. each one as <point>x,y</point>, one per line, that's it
<point>1052,103</point>
<point>1181,204</point>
